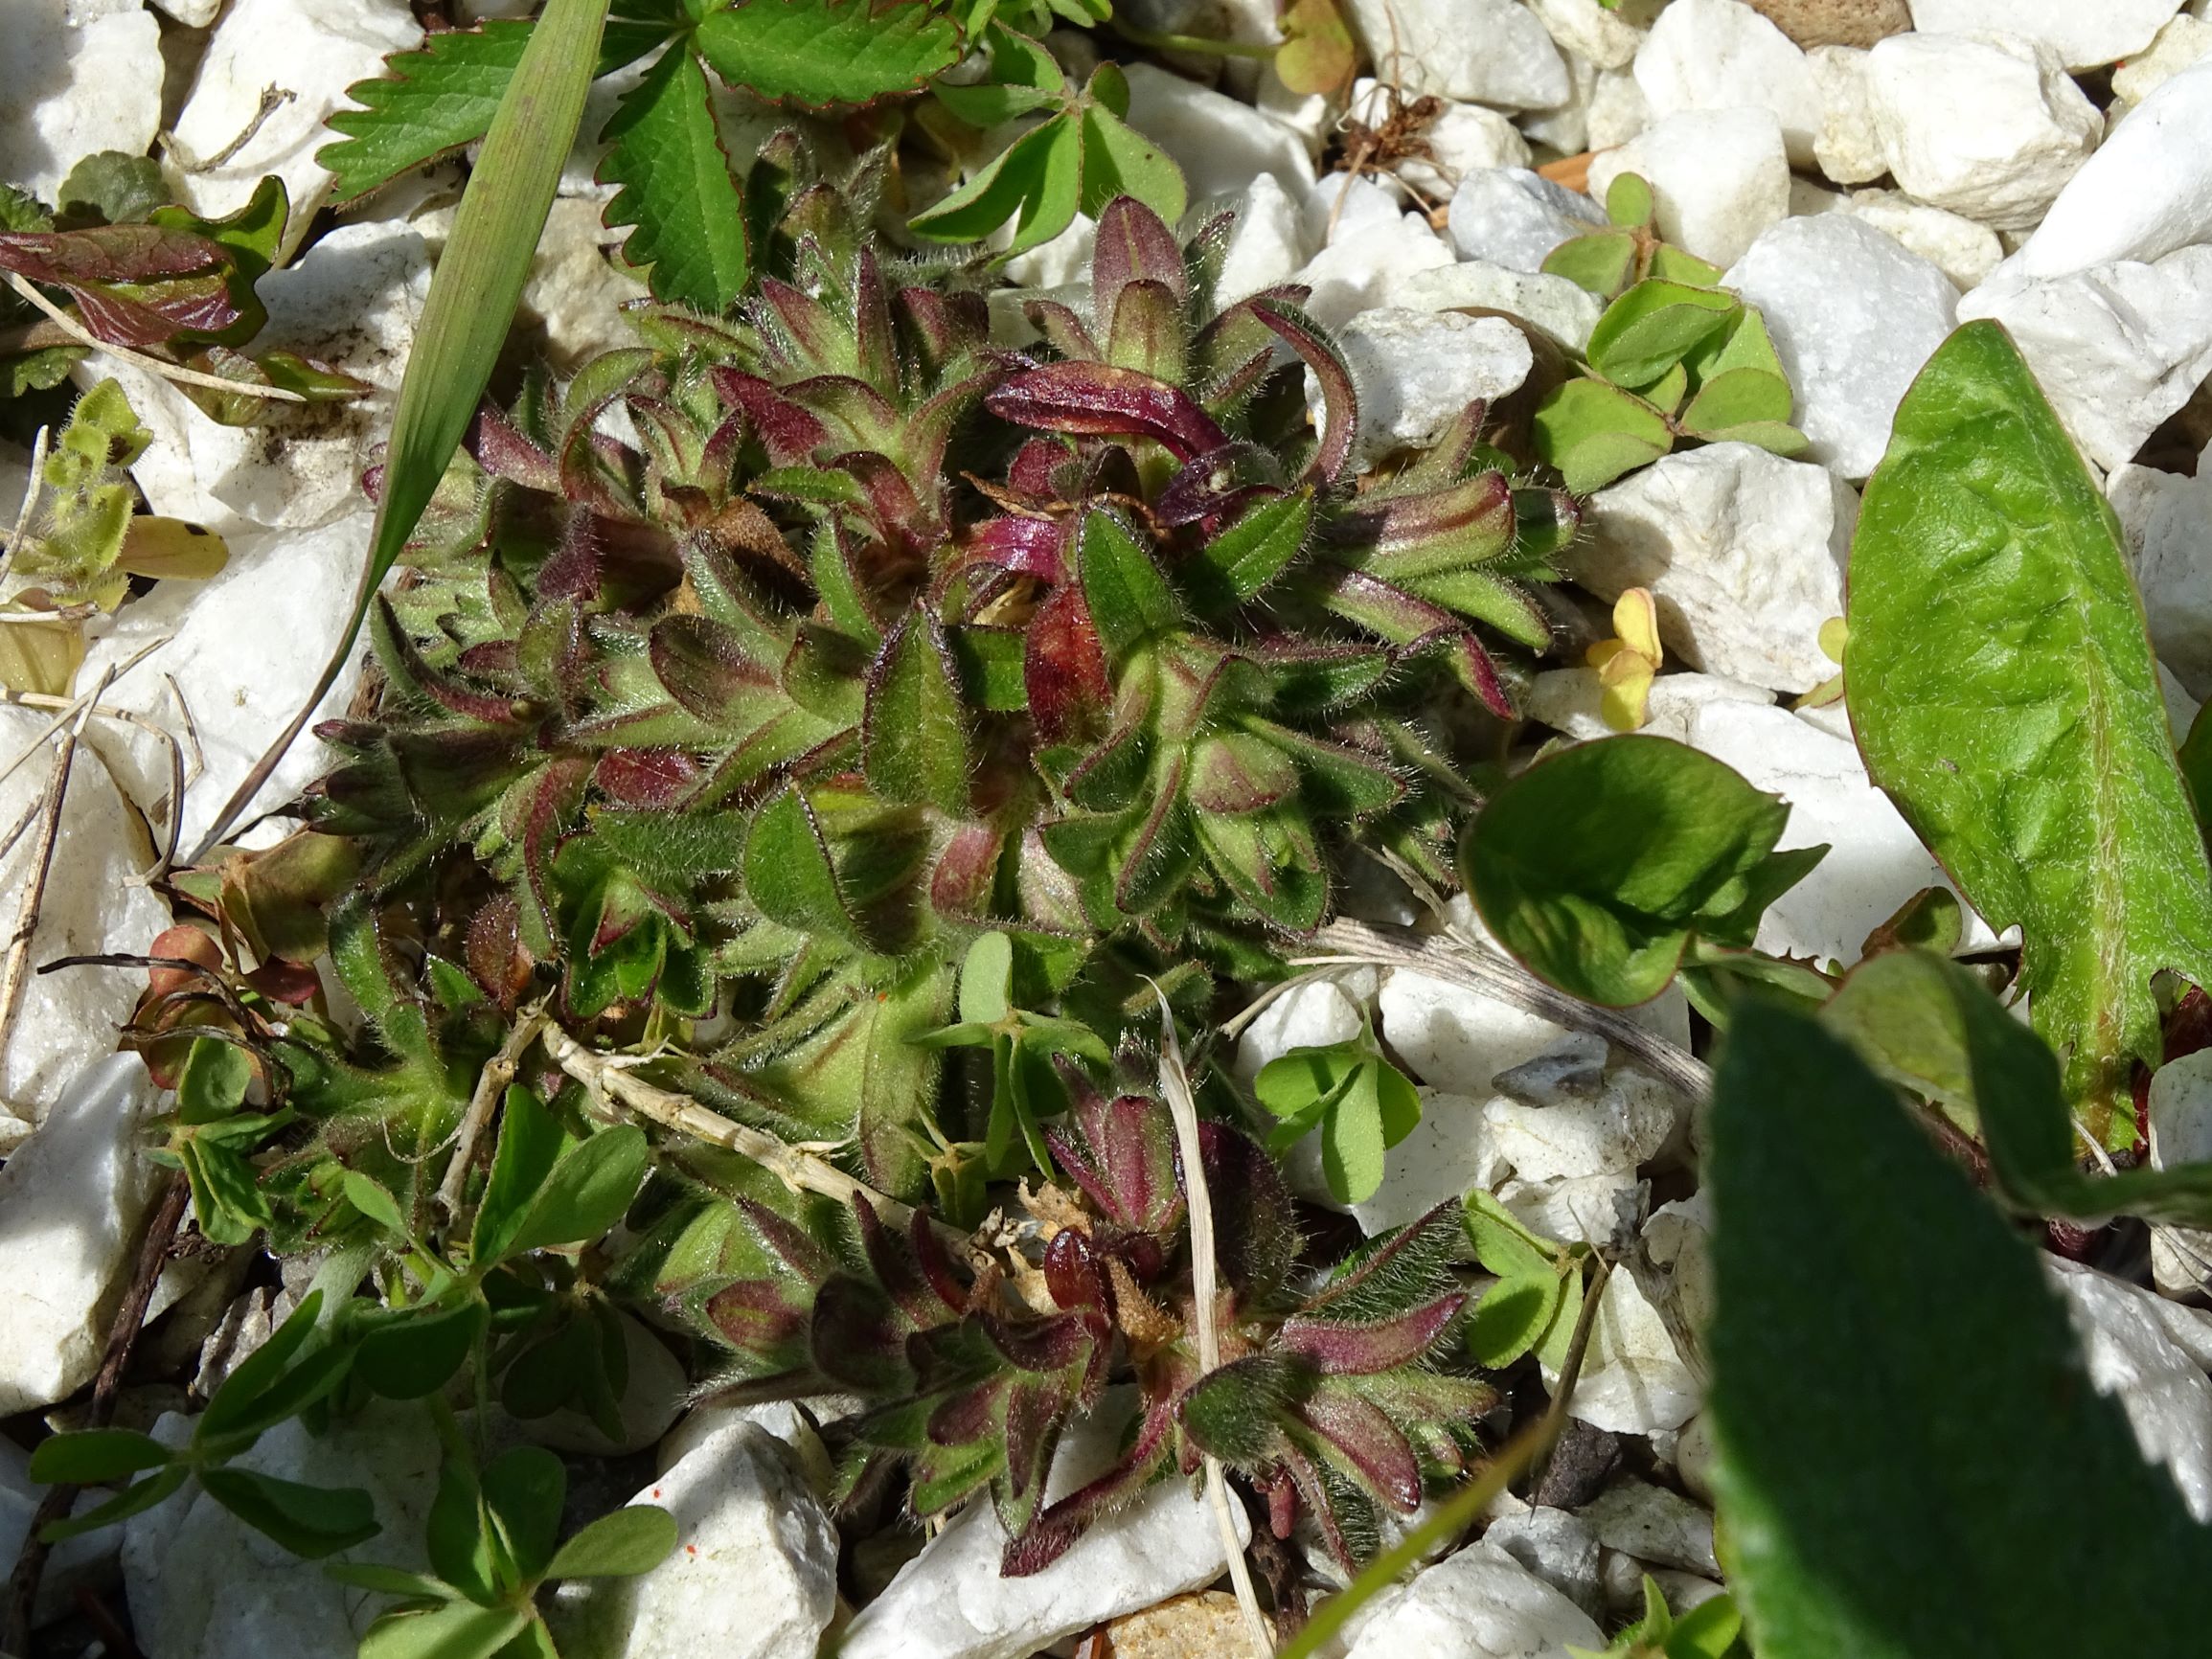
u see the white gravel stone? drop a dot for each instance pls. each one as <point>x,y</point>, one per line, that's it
<point>1563,309</point>
<point>68,1020</point>
<point>1451,1151</point>
<point>2145,193</point>
<point>2134,1359</point>
<point>1853,317</point>
<point>1718,176</point>
<point>70,88</point>
<point>1267,243</point>
<point>754,1573</point>
<point>1492,52</point>
<point>1557,1546</point>
<point>351,302</point>
<point>2180,1114</point>
<point>1679,1242</point>
<point>1634,1379</point>
<point>2118,348</point>
<point>1604,1120</point>
<point>1961,249</point>
<point>1510,217</point>
<point>1606,39</point>
<point>1461,138</point>
<point>1618,111</point>
<point>1478,1604</point>
<point>1595,1210</point>
<point>313,49</point>
<point>1315,1014</point>
<point>949,1602</point>
<point>1744,552</point>
<point>1459,1040</point>
<point>1848,146</point>
<point>1564,126</point>
<point>1219,141</point>
<point>2166,520</point>
<point>2083,33</point>
<point>2181,43</point>
<point>202,1585</point>
<point>1653,1525</point>
<point>71,1199</point>
<point>1722,55</point>
<point>1986,125</point>
<point>577,285</point>
<point>1416,373</point>
<point>1367,256</point>
<point>1571,700</point>
<point>1875,862</point>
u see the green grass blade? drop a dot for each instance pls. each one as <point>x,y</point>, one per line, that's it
<point>466,318</point>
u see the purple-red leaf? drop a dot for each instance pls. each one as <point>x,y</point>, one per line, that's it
<point>1339,403</point>
<point>1362,1350</point>
<point>1099,401</point>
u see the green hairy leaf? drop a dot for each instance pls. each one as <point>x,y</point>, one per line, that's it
<point>2002,688</point>
<point>1910,1455</point>
<point>1597,866</point>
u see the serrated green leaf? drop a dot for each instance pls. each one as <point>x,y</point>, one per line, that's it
<point>2003,692</point>
<point>1670,842</point>
<point>819,53</point>
<point>676,188</point>
<point>914,737</point>
<point>1908,1454</point>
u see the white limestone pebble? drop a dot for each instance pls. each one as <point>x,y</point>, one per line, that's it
<point>1265,244</point>
<point>1987,125</point>
<point>71,1200</point>
<point>1584,1118</point>
<point>1722,55</point>
<point>1961,249</point>
<point>95,901</point>
<point>1606,37</point>
<point>311,49</point>
<point>2182,42</point>
<point>1743,550</point>
<point>1370,248</point>
<point>202,1585</point>
<point>1848,146</point>
<point>1511,217</point>
<point>1220,143</point>
<point>1617,110</point>
<point>1633,1379</point>
<point>71,87</point>
<point>1416,372</point>
<point>1492,52</point>
<point>950,1602</point>
<point>1875,862</point>
<point>1477,1604</point>
<point>754,1573</point>
<point>2147,192</point>
<point>2083,33</point>
<point>2130,1337</point>
<point>1853,316</point>
<point>2118,348</point>
<point>1718,176</point>
<point>1557,1546</point>
<point>1562,310</point>
<point>2166,521</point>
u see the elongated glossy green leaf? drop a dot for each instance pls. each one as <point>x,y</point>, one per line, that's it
<point>310,1521</point>
<point>587,1190</point>
<point>677,188</point>
<point>1914,1462</point>
<point>1599,865</point>
<point>96,1456</point>
<point>466,317</point>
<point>2003,692</point>
<point>621,1545</point>
<point>824,52</point>
<point>457,1630</point>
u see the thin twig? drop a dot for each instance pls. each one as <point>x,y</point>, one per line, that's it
<point>273,98</point>
<point>27,909</point>
<point>798,1171</point>
<point>1463,963</point>
<point>491,1085</point>
<point>1175,1084</point>
<point>176,372</point>
<point>178,782</point>
<point>122,1334</point>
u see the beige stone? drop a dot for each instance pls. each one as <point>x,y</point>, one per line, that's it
<point>1814,23</point>
<point>1206,1626</point>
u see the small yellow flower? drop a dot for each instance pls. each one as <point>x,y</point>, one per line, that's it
<point>1627,665</point>
<point>1834,636</point>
